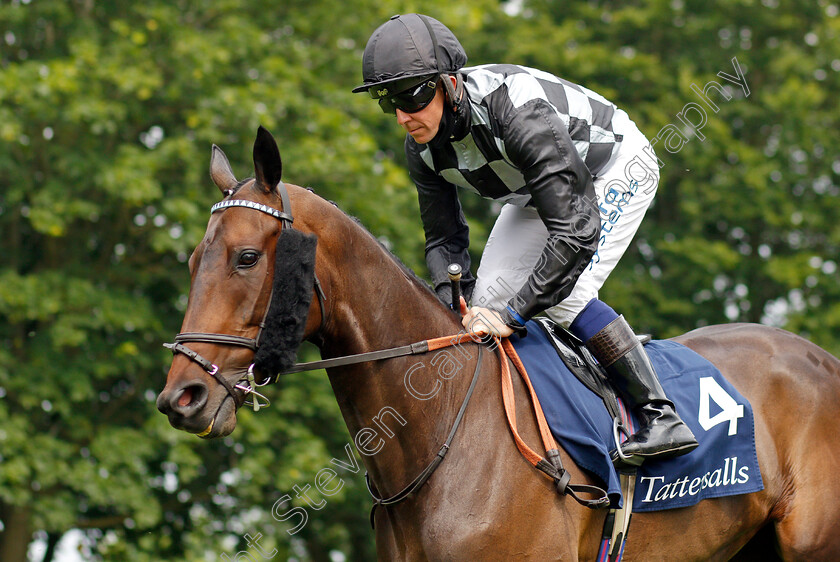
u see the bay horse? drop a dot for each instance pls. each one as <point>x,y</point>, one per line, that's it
<point>484,501</point>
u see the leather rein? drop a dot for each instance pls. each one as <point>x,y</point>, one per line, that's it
<point>247,385</point>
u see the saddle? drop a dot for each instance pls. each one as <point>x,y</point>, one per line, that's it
<point>589,372</point>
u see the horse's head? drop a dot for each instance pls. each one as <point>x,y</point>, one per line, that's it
<point>252,281</point>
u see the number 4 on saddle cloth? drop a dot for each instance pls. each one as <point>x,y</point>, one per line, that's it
<point>725,462</point>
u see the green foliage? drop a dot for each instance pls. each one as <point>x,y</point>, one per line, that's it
<point>107,114</point>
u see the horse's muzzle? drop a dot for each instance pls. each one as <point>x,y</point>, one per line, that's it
<point>183,405</point>
<point>191,408</point>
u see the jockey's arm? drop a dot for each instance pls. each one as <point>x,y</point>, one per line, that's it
<point>538,143</point>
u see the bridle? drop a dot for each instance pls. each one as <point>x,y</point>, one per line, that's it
<point>247,384</point>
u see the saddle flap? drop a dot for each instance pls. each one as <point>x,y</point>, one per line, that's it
<point>581,363</point>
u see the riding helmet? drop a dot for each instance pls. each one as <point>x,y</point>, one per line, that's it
<point>406,50</point>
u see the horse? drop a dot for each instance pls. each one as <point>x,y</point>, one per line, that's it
<point>484,501</point>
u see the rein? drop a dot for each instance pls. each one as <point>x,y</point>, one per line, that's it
<point>426,473</point>
<point>551,466</point>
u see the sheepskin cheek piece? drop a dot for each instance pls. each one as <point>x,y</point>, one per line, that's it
<point>294,282</point>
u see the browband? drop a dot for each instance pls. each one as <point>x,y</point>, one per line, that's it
<point>221,205</point>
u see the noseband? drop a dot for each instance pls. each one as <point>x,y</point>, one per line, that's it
<point>246,383</point>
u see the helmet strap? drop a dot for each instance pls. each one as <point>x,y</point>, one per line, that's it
<point>455,93</point>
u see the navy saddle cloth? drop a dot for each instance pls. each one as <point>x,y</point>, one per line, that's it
<point>725,462</point>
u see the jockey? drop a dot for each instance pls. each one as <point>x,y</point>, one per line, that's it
<point>574,176</point>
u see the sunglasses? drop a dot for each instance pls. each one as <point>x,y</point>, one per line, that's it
<point>411,100</point>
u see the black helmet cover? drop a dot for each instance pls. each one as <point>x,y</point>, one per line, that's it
<point>405,50</point>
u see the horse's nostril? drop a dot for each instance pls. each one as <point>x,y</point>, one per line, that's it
<point>186,397</point>
<point>190,398</point>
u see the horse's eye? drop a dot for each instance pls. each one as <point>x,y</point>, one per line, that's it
<point>248,258</point>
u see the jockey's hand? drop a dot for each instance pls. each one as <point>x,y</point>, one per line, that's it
<point>485,321</point>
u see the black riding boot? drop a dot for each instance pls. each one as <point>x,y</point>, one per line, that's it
<point>662,433</point>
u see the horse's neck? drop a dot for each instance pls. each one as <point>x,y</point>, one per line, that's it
<point>376,302</point>
<point>395,407</point>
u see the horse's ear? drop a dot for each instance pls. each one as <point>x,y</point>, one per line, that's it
<point>220,171</point>
<point>267,165</point>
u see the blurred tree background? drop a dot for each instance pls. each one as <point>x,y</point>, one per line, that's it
<point>107,114</point>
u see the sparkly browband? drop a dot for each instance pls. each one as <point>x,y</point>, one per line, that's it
<point>221,205</point>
